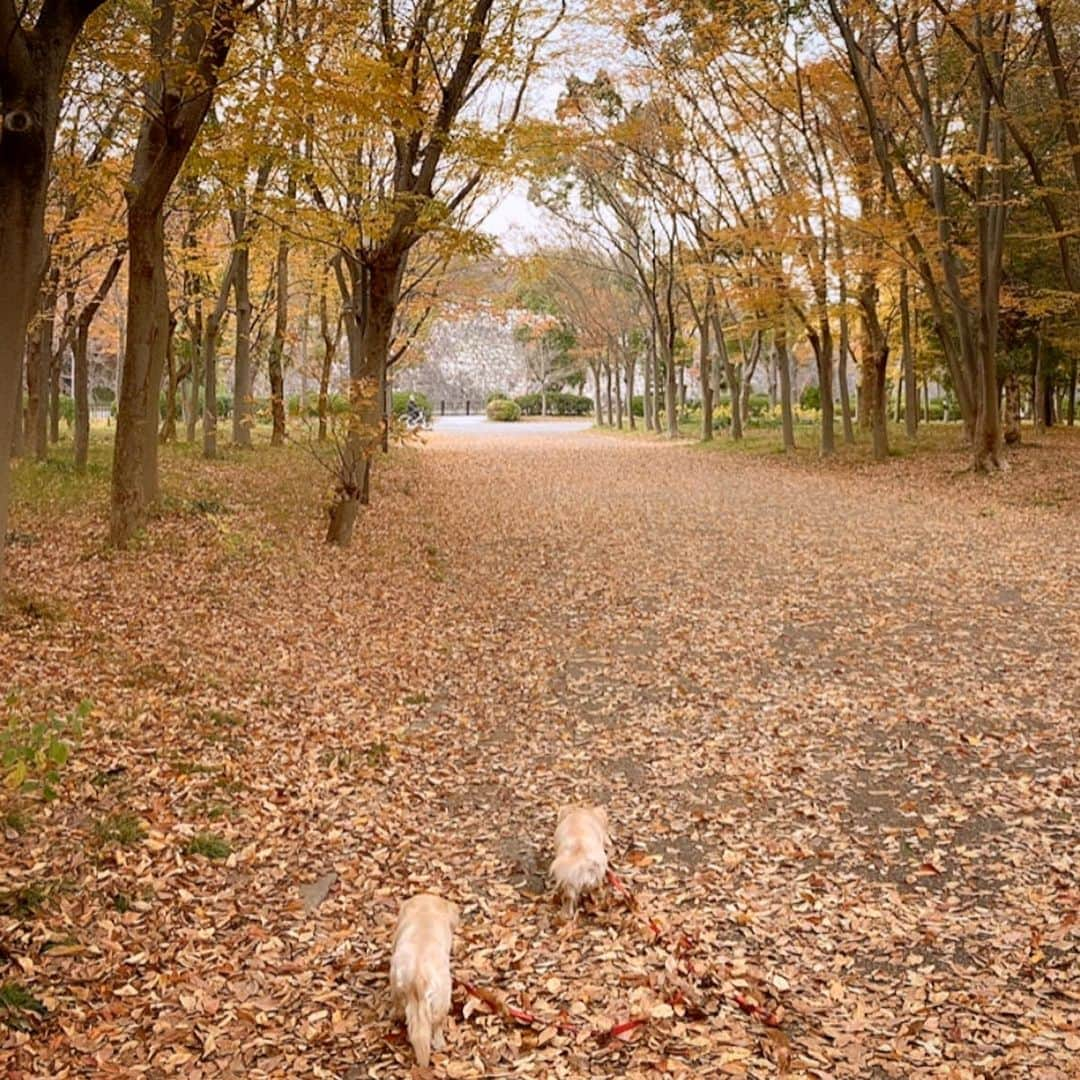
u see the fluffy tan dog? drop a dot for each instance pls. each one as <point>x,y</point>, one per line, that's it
<point>581,841</point>
<point>420,970</point>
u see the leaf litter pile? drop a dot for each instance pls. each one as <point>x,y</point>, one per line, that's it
<point>831,711</point>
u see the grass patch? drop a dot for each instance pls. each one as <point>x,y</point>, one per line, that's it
<point>122,828</point>
<point>25,901</point>
<point>15,819</point>
<point>19,1009</point>
<point>26,610</point>
<point>209,845</point>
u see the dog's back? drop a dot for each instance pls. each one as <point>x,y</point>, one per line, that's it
<point>581,840</point>
<point>420,969</point>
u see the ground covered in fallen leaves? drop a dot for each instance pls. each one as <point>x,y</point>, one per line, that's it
<point>832,712</point>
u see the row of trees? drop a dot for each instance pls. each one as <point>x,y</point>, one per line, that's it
<point>215,150</point>
<point>892,185</point>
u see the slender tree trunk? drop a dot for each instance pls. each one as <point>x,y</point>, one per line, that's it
<point>55,370</point>
<point>597,395</point>
<point>1038,389</point>
<point>1012,409</point>
<point>911,387</point>
<point>618,395</point>
<point>926,399</point>
<point>671,394</point>
<point>1071,414</point>
<point>209,351</point>
<point>607,393</point>
<point>647,386</point>
<point>277,347</point>
<point>842,369</point>
<point>705,363</point>
<point>630,392</point>
<point>168,421</point>
<point>243,413</point>
<point>783,370</point>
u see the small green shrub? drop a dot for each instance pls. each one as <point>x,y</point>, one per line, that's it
<point>810,398</point>
<point>67,410</point>
<point>503,410</point>
<point>496,395</point>
<point>558,404</point>
<point>122,828</point>
<point>33,753</point>
<point>209,845</point>
<point>103,395</point>
<point>224,406</point>
<point>23,902</point>
<point>18,1007</point>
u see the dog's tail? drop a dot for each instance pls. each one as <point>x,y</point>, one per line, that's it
<point>418,1020</point>
<point>575,874</point>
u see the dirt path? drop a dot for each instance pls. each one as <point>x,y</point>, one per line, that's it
<point>833,717</point>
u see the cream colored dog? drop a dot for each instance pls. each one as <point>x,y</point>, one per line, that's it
<point>420,970</point>
<point>581,841</point>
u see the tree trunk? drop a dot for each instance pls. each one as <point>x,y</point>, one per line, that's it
<point>243,413</point>
<point>1071,414</point>
<point>137,408</point>
<point>607,393</point>
<point>647,386</point>
<point>56,367</point>
<point>17,423</point>
<point>1012,409</point>
<point>911,388</point>
<point>842,370</point>
<point>32,63</point>
<point>329,339</point>
<point>783,368</point>
<point>618,396</point>
<point>671,394</point>
<point>277,347</point>
<point>209,351</point>
<point>372,324</point>
<point>598,395</point>
<point>1038,389</point>
<point>80,365</point>
<point>705,362</point>
<point>630,392</point>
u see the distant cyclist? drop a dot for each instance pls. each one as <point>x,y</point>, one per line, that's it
<point>414,415</point>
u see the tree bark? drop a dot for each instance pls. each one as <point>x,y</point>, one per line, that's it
<point>1012,409</point>
<point>81,365</point>
<point>209,351</point>
<point>137,408</point>
<point>32,64</point>
<point>911,388</point>
<point>277,345</point>
<point>1071,407</point>
<point>783,367</point>
<point>705,363</point>
<point>647,386</point>
<point>242,409</point>
<point>372,302</point>
<point>842,369</point>
<point>186,57</point>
